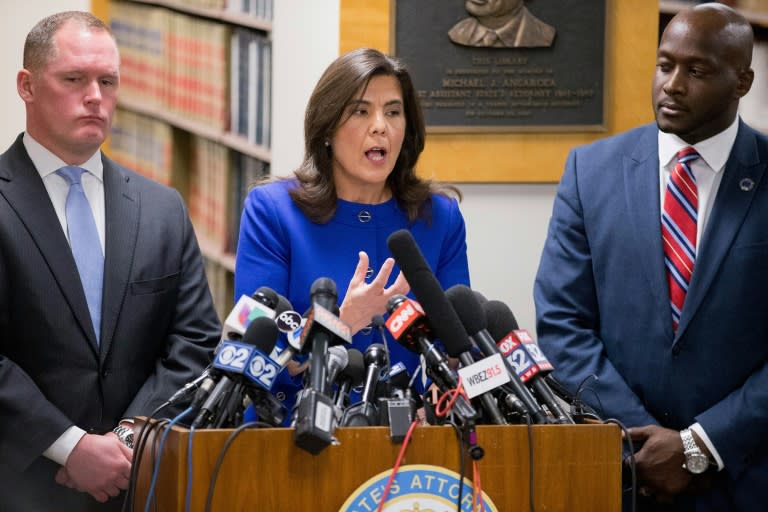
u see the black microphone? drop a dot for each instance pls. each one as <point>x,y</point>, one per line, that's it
<point>530,363</point>
<point>365,412</point>
<point>190,388</point>
<point>315,418</point>
<point>350,377</point>
<point>266,296</point>
<point>397,407</point>
<point>336,360</point>
<point>473,318</point>
<point>410,328</point>
<point>233,330</point>
<point>231,362</point>
<point>429,293</point>
<point>257,379</point>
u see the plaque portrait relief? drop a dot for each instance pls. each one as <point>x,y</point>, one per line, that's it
<point>501,24</point>
<point>505,65</point>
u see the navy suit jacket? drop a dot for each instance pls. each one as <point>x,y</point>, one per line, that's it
<point>602,304</point>
<point>158,325</point>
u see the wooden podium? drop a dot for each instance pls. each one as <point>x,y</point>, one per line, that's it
<point>576,467</point>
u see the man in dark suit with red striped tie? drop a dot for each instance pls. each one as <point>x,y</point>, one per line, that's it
<point>653,276</point>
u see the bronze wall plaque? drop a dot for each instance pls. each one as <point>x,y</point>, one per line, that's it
<point>505,65</point>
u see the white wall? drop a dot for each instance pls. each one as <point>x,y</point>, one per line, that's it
<point>18,19</point>
<point>506,224</point>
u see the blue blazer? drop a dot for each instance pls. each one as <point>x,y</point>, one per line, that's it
<point>158,324</point>
<point>602,304</point>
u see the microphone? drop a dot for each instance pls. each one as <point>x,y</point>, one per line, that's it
<point>261,335</point>
<point>523,356</point>
<point>403,312</point>
<point>442,317</point>
<point>398,407</point>
<point>365,413</point>
<point>189,388</point>
<point>337,360</point>
<point>261,303</point>
<point>321,328</point>
<point>315,417</point>
<point>230,362</point>
<point>350,377</point>
<point>473,318</point>
<point>261,372</point>
<point>409,327</point>
<point>246,309</point>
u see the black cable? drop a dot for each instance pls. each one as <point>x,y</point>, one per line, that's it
<point>631,459</point>
<point>220,460</point>
<point>578,406</point>
<point>460,438</point>
<point>531,486</point>
<point>151,495</point>
<point>138,450</point>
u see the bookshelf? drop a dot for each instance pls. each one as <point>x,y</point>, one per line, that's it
<point>195,110</point>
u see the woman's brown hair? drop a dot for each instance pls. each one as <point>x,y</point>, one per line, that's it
<point>339,84</point>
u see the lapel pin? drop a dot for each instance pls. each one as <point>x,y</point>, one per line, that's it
<point>746,184</point>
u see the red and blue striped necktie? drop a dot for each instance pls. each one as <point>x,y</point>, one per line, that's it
<point>678,230</point>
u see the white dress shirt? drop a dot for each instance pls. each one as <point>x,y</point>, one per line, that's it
<point>708,171</point>
<point>93,184</point>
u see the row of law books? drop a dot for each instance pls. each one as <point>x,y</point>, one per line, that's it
<point>251,97</point>
<point>213,178</point>
<point>259,8</point>
<point>219,180</point>
<point>264,9</point>
<point>181,64</point>
<point>144,145</point>
<point>221,284</point>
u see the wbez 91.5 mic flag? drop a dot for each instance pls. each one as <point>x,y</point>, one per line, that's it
<point>473,319</point>
<point>443,320</point>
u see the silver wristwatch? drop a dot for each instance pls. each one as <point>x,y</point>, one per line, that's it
<point>695,460</point>
<point>125,435</point>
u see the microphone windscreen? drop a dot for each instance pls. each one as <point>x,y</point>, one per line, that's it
<point>324,287</point>
<point>336,360</point>
<point>467,307</point>
<point>355,370</point>
<point>375,354</point>
<point>480,297</point>
<point>262,332</point>
<point>266,296</point>
<point>499,318</point>
<point>429,293</point>
<point>283,305</point>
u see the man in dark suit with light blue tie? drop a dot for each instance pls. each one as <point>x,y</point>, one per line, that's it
<point>104,306</point>
<point>653,277</point>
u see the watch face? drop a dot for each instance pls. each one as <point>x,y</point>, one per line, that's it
<point>696,463</point>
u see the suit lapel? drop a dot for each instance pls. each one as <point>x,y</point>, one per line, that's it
<point>641,192</point>
<point>122,228</point>
<point>727,215</point>
<point>25,192</point>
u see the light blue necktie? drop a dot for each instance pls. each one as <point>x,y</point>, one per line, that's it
<point>84,240</point>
